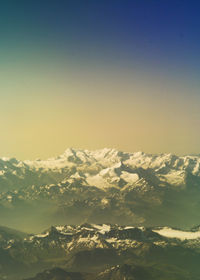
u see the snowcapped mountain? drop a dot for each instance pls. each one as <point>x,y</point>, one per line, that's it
<point>102,251</point>
<point>102,186</point>
<point>95,166</point>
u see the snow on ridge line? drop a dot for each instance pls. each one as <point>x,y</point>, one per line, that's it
<point>179,234</point>
<point>41,235</point>
<point>102,228</point>
<point>100,153</point>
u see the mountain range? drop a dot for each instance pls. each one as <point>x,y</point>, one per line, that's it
<point>103,186</point>
<point>100,252</point>
<point>109,215</point>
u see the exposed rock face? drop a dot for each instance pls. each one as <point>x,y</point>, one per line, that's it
<point>103,186</point>
<point>102,252</point>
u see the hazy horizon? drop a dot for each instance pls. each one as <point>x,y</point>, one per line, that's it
<point>55,155</point>
<point>118,82</point>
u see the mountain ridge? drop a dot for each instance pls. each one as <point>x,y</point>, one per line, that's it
<point>100,186</point>
<point>102,251</point>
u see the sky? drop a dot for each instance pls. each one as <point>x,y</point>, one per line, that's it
<point>91,74</point>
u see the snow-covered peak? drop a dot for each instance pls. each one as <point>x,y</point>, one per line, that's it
<point>101,168</point>
<point>109,157</point>
<point>106,235</point>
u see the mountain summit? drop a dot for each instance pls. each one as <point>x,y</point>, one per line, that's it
<point>101,186</point>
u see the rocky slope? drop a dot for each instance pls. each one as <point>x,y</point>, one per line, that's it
<point>103,186</point>
<point>106,252</point>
